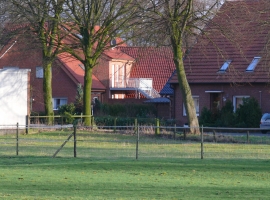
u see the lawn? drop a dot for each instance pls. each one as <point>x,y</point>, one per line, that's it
<point>81,178</point>
<point>107,169</point>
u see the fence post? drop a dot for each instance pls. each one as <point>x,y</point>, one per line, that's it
<point>137,142</point>
<point>174,132</point>
<point>247,136</point>
<point>17,139</point>
<point>27,124</point>
<point>202,143</point>
<point>214,135</point>
<point>62,122</point>
<point>114,125</point>
<point>135,125</point>
<point>93,122</point>
<point>75,142</point>
<point>157,131</point>
<point>185,133</point>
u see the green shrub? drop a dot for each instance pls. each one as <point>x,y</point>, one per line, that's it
<point>205,118</point>
<point>248,114</point>
<point>67,111</point>
<point>125,110</point>
<point>227,116</point>
<point>126,121</point>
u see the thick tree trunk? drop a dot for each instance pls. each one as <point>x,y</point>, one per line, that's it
<point>87,94</point>
<point>47,91</point>
<point>185,90</point>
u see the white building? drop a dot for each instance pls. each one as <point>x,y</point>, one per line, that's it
<point>14,96</point>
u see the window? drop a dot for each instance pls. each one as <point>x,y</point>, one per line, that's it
<point>82,66</point>
<point>94,100</point>
<point>225,66</point>
<point>237,101</point>
<point>57,102</point>
<point>196,104</point>
<point>253,64</point>
<point>39,72</point>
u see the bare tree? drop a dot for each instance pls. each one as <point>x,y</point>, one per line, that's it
<point>177,21</point>
<point>43,18</point>
<point>94,24</point>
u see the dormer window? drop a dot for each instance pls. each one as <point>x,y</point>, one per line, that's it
<point>225,66</point>
<point>253,64</point>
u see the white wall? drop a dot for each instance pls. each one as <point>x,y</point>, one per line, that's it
<point>13,96</point>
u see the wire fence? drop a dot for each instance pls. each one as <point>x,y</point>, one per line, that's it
<point>133,142</point>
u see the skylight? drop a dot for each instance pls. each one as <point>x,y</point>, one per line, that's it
<point>253,64</point>
<point>82,66</point>
<point>225,66</point>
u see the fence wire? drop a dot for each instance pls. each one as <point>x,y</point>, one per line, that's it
<point>130,142</point>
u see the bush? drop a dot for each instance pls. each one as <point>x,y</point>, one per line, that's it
<point>125,110</point>
<point>126,121</point>
<point>227,116</point>
<point>67,110</point>
<point>205,118</point>
<point>248,114</point>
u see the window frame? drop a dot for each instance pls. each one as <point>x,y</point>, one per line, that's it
<point>251,67</point>
<point>56,107</point>
<point>197,106</point>
<point>39,72</point>
<point>235,100</point>
<point>225,66</point>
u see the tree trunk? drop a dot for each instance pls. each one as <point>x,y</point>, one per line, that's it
<point>185,90</point>
<point>47,91</point>
<point>87,93</point>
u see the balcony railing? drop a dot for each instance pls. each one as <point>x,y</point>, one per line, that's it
<point>143,85</point>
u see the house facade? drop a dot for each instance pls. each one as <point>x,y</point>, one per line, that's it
<point>230,60</point>
<point>123,74</point>
<point>136,75</point>
<point>134,72</point>
<point>67,73</point>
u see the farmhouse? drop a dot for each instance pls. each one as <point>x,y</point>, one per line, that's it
<point>230,60</point>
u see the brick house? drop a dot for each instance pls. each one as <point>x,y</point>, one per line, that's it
<point>67,73</point>
<point>230,60</point>
<point>136,75</point>
<point>123,74</point>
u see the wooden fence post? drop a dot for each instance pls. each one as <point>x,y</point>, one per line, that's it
<point>137,142</point>
<point>135,125</point>
<point>185,133</point>
<point>214,135</point>
<point>17,139</point>
<point>202,143</point>
<point>114,125</point>
<point>157,130</point>
<point>27,124</point>
<point>75,142</point>
<point>247,136</point>
<point>174,132</point>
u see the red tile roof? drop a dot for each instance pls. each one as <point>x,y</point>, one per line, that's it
<point>150,62</point>
<point>74,69</point>
<point>239,32</point>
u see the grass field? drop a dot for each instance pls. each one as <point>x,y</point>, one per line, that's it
<point>106,168</point>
